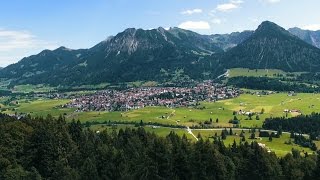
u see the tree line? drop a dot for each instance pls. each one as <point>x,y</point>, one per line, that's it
<point>51,148</point>
<point>273,84</point>
<point>306,124</point>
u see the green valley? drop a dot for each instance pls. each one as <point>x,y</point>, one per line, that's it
<point>273,105</point>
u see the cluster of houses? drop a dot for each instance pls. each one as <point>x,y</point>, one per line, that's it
<point>135,98</point>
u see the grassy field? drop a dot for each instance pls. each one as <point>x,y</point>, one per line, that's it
<point>271,73</point>
<point>163,131</point>
<point>32,88</point>
<point>255,73</point>
<point>273,106</point>
<point>277,145</point>
<point>40,107</point>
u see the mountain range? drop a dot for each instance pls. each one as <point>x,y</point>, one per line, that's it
<point>272,47</point>
<point>311,37</point>
<point>168,55</point>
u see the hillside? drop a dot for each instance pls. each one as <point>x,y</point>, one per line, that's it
<point>168,55</point>
<point>132,55</point>
<point>311,37</point>
<point>272,47</point>
<point>228,41</point>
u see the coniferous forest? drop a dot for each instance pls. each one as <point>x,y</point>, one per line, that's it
<point>50,148</point>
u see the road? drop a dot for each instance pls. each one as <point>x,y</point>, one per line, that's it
<point>171,114</point>
<point>190,132</point>
<point>246,129</point>
<point>226,74</point>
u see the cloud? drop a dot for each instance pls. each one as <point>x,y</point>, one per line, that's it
<point>236,1</point>
<point>14,45</point>
<point>192,11</point>
<point>216,21</point>
<point>270,1</point>
<point>227,7</point>
<point>195,25</point>
<point>312,27</point>
<point>233,4</point>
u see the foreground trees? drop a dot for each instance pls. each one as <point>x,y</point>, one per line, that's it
<point>49,148</point>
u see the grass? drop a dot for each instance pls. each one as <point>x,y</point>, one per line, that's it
<point>273,105</point>
<point>271,73</point>
<point>32,88</point>
<point>255,73</point>
<point>88,86</point>
<point>41,107</point>
<point>277,145</point>
<point>163,131</point>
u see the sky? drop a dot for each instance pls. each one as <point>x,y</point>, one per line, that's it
<point>28,27</point>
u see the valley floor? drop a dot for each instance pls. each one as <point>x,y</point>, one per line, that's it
<point>220,112</point>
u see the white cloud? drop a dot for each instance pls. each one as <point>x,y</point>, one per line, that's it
<point>216,21</point>
<point>273,1</point>
<point>236,1</point>
<point>227,7</point>
<point>192,11</point>
<point>233,4</point>
<point>312,27</point>
<point>212,13</point>
<point>270,1</point>
<point>14,45</point>
<point>195,25</point>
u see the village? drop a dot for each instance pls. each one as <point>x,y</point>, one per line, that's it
<point>136,98</point>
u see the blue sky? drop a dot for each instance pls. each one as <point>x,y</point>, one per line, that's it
<point>27,27</point>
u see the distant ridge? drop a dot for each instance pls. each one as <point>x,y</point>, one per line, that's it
<point>311,37</point>
<point>272,47</point>
<point>131,55</point>
<point>168,55</point>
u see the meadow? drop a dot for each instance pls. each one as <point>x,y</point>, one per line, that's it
<point>27,88</point>
<point>277,145</point>
<point>273,105</point>
<point>235,72</point>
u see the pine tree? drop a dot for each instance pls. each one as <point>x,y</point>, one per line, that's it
<point>253,135</point>
<point>141,123</point>
<point>89,170</point>
<point>223,135</point>
<point>243,138</point>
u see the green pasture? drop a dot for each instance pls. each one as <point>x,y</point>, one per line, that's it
<point>235,72</point>
<point>32,88</point>
<point>277,145</point>
<point>273,105</point>
<point>40,107</point>
<point>160,131</point>
<point>255,72</point>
